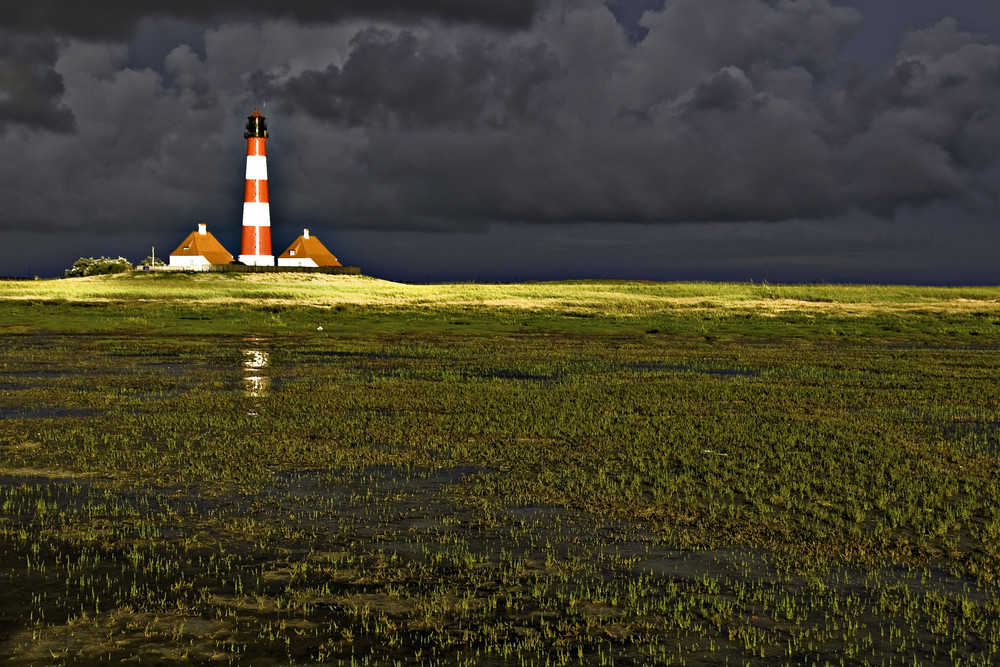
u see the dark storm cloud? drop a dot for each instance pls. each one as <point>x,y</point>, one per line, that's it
<point>398,79</point>
<point>30,88</point>
<point>730,110</point>
<point>108,19</point>
<point>927,129</point>
<point>727,90</point>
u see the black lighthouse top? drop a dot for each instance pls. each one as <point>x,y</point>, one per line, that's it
<point>256,127</point>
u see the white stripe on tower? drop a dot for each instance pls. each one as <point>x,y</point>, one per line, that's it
<point>256,167</point>
<point>256,214</point>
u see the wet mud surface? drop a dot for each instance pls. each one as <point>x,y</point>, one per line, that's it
<point>523,501</point>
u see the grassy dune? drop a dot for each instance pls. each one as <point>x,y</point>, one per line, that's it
<point>282,469</point>
<point>239,302</point>
<point>602,296</point>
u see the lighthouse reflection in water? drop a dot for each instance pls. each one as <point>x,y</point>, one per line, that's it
<point>255,378</point>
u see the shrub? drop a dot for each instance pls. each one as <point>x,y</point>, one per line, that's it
<point>90,266</point>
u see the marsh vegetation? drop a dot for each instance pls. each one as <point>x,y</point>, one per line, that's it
<point>343,470</point>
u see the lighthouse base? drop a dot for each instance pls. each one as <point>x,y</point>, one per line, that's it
<point>257,260</point>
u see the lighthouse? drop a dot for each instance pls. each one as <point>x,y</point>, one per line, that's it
<point>255,248</point>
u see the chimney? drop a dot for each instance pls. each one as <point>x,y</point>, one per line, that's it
<point>202,229</point>
<point>305,233</point>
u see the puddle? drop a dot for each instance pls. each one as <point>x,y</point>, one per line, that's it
<point>652,367</point>
<point>256,380</point>
<point>320,356</point>
<point>516,374</point>
<point>17,386</point>
<point>42,412</point>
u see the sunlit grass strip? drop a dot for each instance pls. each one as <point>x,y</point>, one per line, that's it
<point>612,298</point>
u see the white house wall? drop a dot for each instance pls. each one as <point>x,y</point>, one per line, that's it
<point>188,260</point>
<point>296,261</point>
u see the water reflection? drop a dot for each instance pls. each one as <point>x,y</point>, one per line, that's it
<point>255,381</point>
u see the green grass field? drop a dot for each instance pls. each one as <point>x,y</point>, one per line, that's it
<point>291,469</point>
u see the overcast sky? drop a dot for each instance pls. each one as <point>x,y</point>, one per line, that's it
<point>781,140</point>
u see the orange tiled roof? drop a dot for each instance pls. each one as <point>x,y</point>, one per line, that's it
<point>204,245</point>
<point>311,248</point>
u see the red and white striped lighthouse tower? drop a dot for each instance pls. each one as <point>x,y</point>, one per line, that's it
<point>255,247</point>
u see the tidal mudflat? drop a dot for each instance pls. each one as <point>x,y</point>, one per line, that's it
<point>225,469</point>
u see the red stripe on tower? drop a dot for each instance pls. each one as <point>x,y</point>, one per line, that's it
<point>255,247</point>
